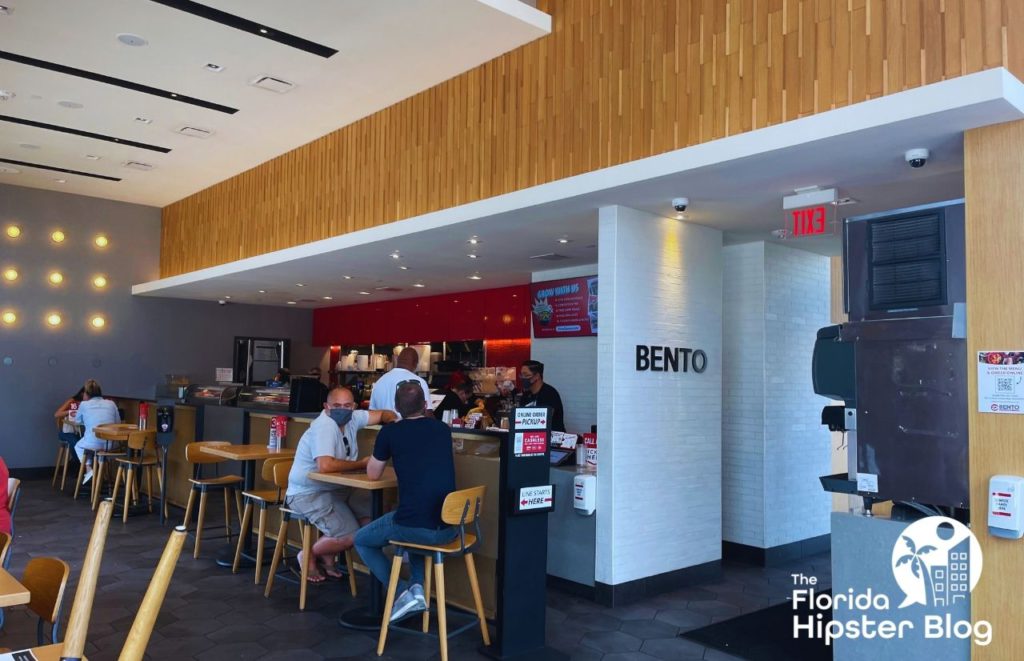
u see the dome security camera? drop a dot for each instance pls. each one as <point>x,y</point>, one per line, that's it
<point>916,158</point>
<point>680,204</point>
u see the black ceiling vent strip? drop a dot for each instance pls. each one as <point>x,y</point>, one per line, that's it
<point>116,82</point>
<point>56,169</point>
<point>245,25</point>
<point>84,134</point>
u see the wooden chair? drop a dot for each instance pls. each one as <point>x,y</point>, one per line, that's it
<point>460,508</point>
<point>228,483</point>
<point>46,579</point>
<point>142,628</point>
<point>265,498</point>
<point>5,545</point>
<point>100,460</point>
<point>81,609</point>
<point>142,455</point>
<point>13,497</point>
<point>306,529</point>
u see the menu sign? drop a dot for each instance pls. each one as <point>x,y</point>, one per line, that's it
<point>565,308</point>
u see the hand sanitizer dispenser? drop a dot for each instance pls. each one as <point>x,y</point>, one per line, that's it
<point>584,494</point>
<point>1004,509</point>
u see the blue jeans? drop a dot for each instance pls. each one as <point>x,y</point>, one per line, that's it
<point>371,540</point>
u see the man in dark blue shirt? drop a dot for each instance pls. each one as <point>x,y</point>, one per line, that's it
<point>421,450</point>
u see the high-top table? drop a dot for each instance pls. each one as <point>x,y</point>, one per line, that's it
<point>367,619</point>
<point>248,455</point>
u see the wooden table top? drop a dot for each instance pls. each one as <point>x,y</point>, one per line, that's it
<point>358,479</point>
<point>12,593</point>
<point>46,652</point>
<point>115,431</point>
<point>247,452</point>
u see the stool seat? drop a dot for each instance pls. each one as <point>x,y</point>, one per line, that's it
<point>454,546</point>
<point>217,481</point>
<point>269,496</point>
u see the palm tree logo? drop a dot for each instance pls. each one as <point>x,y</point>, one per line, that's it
<point>921,569</point>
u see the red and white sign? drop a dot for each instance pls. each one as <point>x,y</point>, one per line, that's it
<point>810,221</point>
<point>590,443</point>
<point>530,443</point>
<point>564,308</point>
<point>536,498</point>
<point>278,431</point>
<point>143,415</point>
<point>531,418</point>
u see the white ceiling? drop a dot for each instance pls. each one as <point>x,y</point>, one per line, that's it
<point>387,51</point>
<point>735,185</point>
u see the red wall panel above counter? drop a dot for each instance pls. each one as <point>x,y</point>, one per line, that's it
<point>502,313</point>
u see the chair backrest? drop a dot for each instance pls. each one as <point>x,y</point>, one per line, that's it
<point>13,492</point>
<point>194,452</point>
<point>142,439</point>
<point>138,638</point>
<point>267,472</point>
<point>5,545</point>
<point>281,470</point>
<point>463,506</point>
<point>81,609</point>
<point>46,579</point>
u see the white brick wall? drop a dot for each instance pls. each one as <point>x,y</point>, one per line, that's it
<point>570,363</point>
<point>743,477</point>
<point>659,434</point>
<point>774,447</point>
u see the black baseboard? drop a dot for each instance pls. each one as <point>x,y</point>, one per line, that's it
<point>776,555</point>
<point>571,587</point>
<point>630,592</point>
<point>37,473</point>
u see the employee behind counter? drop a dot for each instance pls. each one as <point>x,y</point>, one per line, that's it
<point>537,393</point>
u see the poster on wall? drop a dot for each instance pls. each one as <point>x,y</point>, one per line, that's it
<point>1001,382</point>
<point>564,308</point>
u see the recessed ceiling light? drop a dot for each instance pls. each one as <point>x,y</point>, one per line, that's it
<point>404,268</point>
<point>299,284</point>
<point>215,68</point>
<point>564,240</point>
<point>92,157</point>
<point>347,277</point>
<point>61,181</point>
<point>56,278</point>
<point>13,231</point>
<point>472,255</point>
<point>101,241</point>
<point>74,105</point>
<point>291,302</point>
<point>263,30</point>
<point>263,291</point>
<point>396,255</point>
<point>328,298</point>
<point>365,293</point>
<point>227,298</point>
<point>57,236</point>
<point>475,276</point>
<point>99,282</point>
<point>418,284</point>
<point>27,145</point>
<point>53,319</point>
<point>143,120</point>
<point>129,39</point>
<point>474,240</point>
<point>98,321</point>
<point>173,95</point>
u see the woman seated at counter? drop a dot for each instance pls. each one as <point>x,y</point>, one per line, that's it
<point>94,410</point>
<point>68,432</point>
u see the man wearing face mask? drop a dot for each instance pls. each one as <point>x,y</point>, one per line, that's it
<point>330,446</point>
<point>539,394</point>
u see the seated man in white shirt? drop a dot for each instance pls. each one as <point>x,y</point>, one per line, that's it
<point>330,446</point>
<point>93,411</point>
<point>383,396</point>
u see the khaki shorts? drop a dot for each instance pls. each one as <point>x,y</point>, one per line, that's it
<point>335,512</point>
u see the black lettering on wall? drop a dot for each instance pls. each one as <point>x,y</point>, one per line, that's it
<point>643,362</point>
<point>700,361</point>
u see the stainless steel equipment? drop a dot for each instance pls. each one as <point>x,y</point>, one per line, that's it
<point>265,397</point>
<point>219,395</point>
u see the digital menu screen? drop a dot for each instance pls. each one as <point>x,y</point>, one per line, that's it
<point>564,308</point>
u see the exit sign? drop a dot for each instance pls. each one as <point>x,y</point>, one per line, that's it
<point>809,221</point>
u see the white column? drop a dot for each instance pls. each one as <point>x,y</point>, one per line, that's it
<point>659,433</point>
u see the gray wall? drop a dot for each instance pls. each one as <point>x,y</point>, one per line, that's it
<point>145,338</point>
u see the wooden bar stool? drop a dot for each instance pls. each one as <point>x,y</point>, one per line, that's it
<point>265,498</point>
<point>227,483</point>
<point>459,509</point>
<point>5,545</point>
<point>13,498</point>
<point>142,455</point>
<point>87,458</point>
<point>306,530</point>
<point>64,447</point>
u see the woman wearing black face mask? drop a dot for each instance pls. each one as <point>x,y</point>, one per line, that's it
<point>330,446</point>
<point>539,394</point>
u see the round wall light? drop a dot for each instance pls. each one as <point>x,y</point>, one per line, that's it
<point>10,274</point>
<point>99,282</point>
<point>13,231</point>
<point>57,237</point>
<point>101,241</point>
<point>55,278</point>
<point>9,317</point>
<point>98,321</point>
<point>53,319</point>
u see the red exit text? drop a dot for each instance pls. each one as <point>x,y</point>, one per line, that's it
<point>813,220</point>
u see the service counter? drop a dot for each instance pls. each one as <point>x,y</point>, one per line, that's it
<point>571,540</point>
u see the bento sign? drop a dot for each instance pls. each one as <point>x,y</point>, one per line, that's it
<point>670,359</point>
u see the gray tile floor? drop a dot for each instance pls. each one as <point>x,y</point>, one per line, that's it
<point>211,614</point>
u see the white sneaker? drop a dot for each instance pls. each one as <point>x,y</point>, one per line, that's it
<point>409,602</point>
<point>88,476</point>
